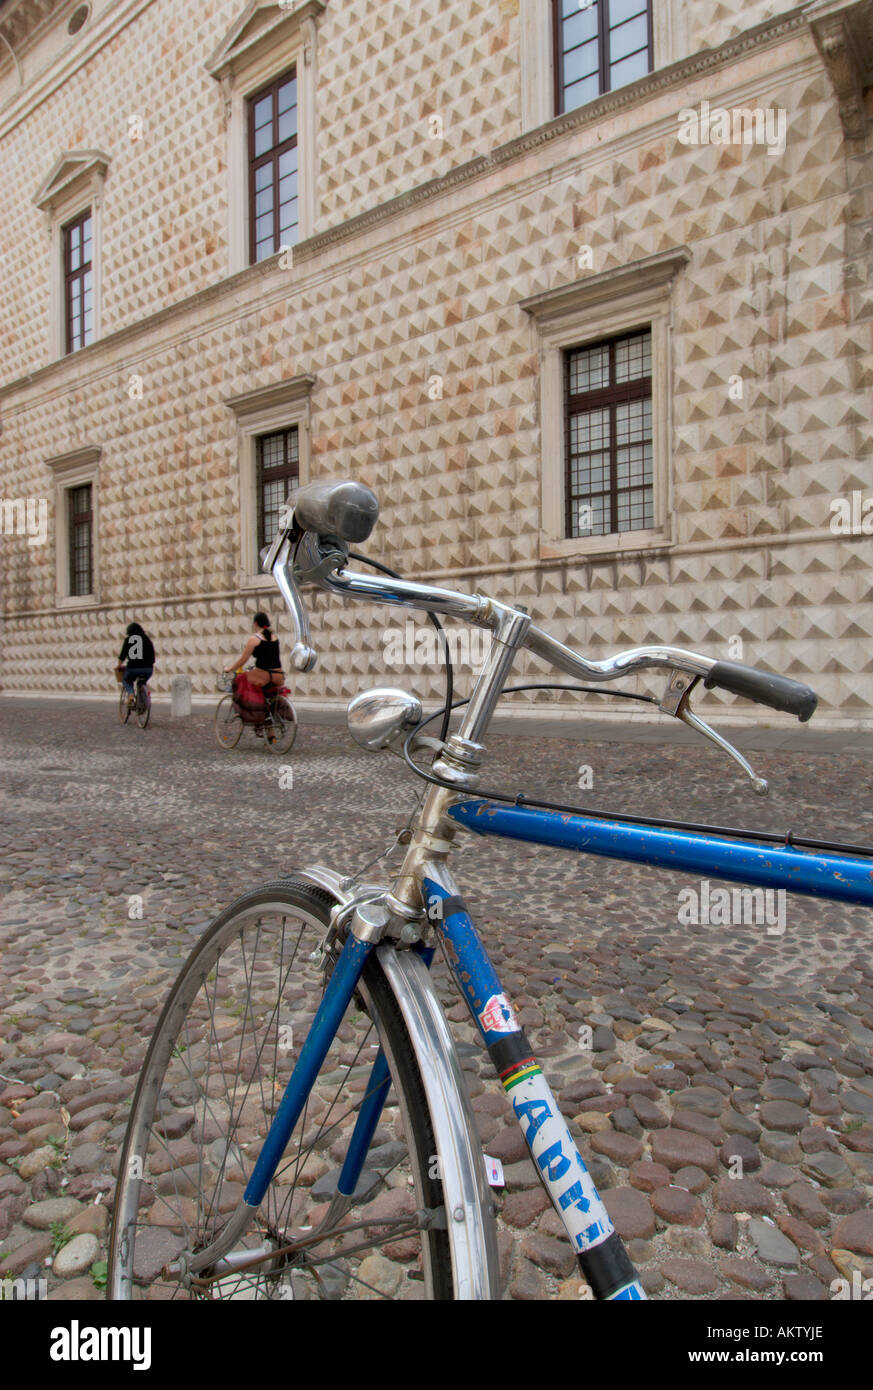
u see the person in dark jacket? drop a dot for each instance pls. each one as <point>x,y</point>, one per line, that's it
<point>137,658</point>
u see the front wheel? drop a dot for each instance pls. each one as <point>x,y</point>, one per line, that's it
<point>225,1046</point>
<point>228,725</point>
<point>124,706</point>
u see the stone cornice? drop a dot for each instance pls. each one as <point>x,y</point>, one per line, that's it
<point>75,56</point>
<point>844,38</point>
<point>22,21</point>
<point>650,272</point>
<point>131,331</point>
<point>766,35</point>
<point>75,458</point>
<point>296,388</point>
<point>248,38</point>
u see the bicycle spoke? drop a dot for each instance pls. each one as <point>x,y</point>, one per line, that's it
<point>223,1071</point>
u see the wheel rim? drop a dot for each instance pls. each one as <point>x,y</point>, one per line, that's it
<point>123,706</point>
<point>214,1084</point>
<point>228,725</point>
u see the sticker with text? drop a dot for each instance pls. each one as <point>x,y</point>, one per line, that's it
<point>498,1016</point>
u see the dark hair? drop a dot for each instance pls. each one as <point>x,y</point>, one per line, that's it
<point>261,620</point>
<point>134,630</point>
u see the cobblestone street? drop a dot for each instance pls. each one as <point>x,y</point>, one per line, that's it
<point>709,1042</point>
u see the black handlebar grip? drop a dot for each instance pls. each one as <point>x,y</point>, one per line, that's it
<point>346,510</point>
<point>764,686</point>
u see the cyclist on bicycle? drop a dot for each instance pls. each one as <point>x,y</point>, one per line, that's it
<point>136,658</point>
<point>263,645</point>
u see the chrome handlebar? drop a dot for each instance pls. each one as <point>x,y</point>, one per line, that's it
<point>311,548</point>
<point>322,565</point>
<point>622,664</point>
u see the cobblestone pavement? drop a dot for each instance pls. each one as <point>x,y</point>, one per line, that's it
<point>711,1044</point>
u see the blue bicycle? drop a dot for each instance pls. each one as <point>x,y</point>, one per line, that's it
<point>301,1128</point>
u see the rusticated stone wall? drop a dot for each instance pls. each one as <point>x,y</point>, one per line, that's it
<point>775,293</point>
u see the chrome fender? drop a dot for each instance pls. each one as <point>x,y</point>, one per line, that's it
<point>469,1211</point>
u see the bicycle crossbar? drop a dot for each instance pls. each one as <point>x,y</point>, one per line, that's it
<point>838,877</point>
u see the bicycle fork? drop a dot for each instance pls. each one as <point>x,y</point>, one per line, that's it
<point>603,1260</point>
<point>329,1015</point>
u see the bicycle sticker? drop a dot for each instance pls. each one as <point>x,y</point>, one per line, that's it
<point>498,1016</point>
<point>494,1172</point>
<point>555,1154</point>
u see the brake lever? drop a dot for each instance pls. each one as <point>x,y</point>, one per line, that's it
<point>303,655</point>
<point>316,557</point>
<point>675,701</point>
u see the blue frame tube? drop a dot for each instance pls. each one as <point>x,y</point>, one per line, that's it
<point>602,1257</point>
<point>328,1018</point>
<point>378,1086</point>
<point>376,1094</point>
<point>832,876</point>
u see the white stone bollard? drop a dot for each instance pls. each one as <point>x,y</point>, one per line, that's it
<point>180,695</point>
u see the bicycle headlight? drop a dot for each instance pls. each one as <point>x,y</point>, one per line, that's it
<point>382,718</point>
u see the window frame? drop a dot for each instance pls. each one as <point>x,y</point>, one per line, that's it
<point>263,411</point>
<point>69,276</point>
<point>607,304</point>
<point>603,32</point>
<point>271,156</point>
<point>73,520</point>
<point>73,187</point>
<point>280,473</point>
<point>604,397</point>
<point>69,472</point>
<point>575,332</point>
<point>253,53</point>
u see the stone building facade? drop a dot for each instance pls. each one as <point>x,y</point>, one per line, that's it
<point>473,288</point>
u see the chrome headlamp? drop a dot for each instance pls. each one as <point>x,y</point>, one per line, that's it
<point>383,718</point>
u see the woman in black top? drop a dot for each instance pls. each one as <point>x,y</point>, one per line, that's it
<point>137,658</point>
<point>263,645</point>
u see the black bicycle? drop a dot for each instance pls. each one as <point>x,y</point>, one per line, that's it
<point>140,704</point>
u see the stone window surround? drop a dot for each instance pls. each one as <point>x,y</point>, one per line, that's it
<point>603,305</point>
<point>71,470</point>
<point>243,65</point>
<point>74,186</point>
<point>258,412</point>
<point>537,53</point>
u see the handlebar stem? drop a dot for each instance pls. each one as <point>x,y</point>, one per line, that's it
<point>510,635</point>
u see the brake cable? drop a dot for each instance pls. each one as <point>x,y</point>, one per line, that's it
<point>447,708</point>
<point>789,839</point>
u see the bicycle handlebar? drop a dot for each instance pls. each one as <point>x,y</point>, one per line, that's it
<point>321,562</point>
